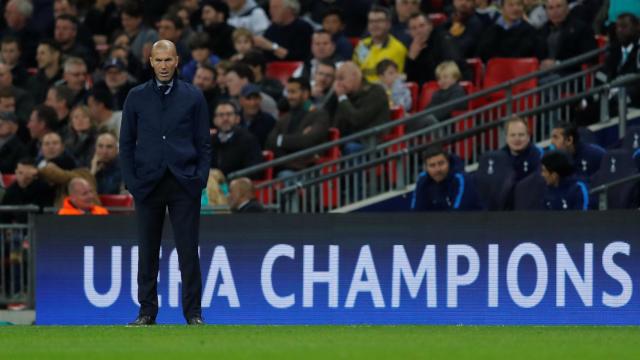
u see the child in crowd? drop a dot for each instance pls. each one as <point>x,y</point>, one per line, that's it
<point>242,42</point>
<point>393,82</point>
<point>448,75</point>
<point>200,53</point>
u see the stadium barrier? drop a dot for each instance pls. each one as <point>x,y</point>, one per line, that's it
<point>521,269</point>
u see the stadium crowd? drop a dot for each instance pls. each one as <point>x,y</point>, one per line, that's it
<point>67,67</point>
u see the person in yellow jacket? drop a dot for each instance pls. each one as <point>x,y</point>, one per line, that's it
<point>81,200</point>
<point>379,46</point>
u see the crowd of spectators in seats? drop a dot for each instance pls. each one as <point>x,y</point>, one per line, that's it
<point>66,67</point>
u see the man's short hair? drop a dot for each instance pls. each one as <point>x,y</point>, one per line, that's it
<point>10,39</point>
<point>46,114</point>
<point>24,7</point>
<point>568,130</point>
<point>133,8</point>
<point>219,6</point>
<point>200,40</point>
<point>558,162</point>
<point>382,10</point>
<point>255,58</point>
<point>334,11</point>
<point>327,62</point>
<point>420,14</point>
<point>63,93</point>
<point>207,66</point>
<point>634,19</point>
<point>27,161</point>
<point>302,81</point>
<point>233,104</point>
<point>294,5</point>
<point>175,19</point>
<point>324,32</point>
<point>243,71</point>
<point>73,61</point>
<point>433,152</point>
<point>103,96</point>
<point>515,119</point>
<point>53,46</point>
<point>70,18</point>
<point>7,93</point>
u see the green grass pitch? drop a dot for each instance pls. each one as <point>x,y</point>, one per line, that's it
<point>318,342</point>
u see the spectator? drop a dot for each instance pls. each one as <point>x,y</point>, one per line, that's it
<point>81,136</point>
<point>525,156</point>
<point>333,23</point>
<point>301,128</point>
<point>100,104</point>
<point>23,100</point>
<point>214,21</point>
<point>618,7</point>
<point>200,54</point>
<point>258,64</point>
<point>510,36</point>
<point>397,90</point>
<point>288,36</point>
<point>17,15</point>
<point>116,81</point>
<point>404,9</point>
<point>563,191</point>
<point>81,200</point>
<point>487,11</point>
<point>27,189</point>
<point>240,75</point>
<point>233,148</point>
<point>215,194</point>
<point>59,98</point>
<point>563,36</point>
<point>252,118</point>
<point>11,56</point>
<point>105,166</point>
<point>11,148</point>
<point>624,53</point>
<point>75,78</point>
<point>121,51</point>
<point>142,36</point>
<point>43,120</point>
<point>242,43</point>
<point>170,27</point>
<point>379,46</point>
<point>247,14</point>
<point>322,48</point>
<point>428,49</point>
<point>221,75</point>
<point>190,12</point>
<point>441,188</point>
<point>361,105</point>
<point>585,157</point>
<point>205,80</point>
<point>242,197</point>
<point>184,14</point>
<point>322,85</point>
<point>85,35</point>
<point>535,13</point>
<point>465,26</point>
<point>53,151</point>
<point>49,70</point>
<point>66,35</point>
<point>53,174</point>
<point>103,18</point>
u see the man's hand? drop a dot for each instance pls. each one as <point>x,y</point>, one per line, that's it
<point>96,165</point>
<point>339,89</point>
<point>263,43</point>
<point>415,48</point>
<point>547,64</point>
<point>307,130</point>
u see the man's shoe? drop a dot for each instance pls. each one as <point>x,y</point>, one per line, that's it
<point>195,320</point>
<point>143,320</point>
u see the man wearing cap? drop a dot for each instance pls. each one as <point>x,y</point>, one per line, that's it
<point>258,122</point>
<point>11,148</point>
<point>165,153</point>
<point>116,80</point>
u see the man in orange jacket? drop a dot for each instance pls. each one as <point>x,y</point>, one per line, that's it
<point>81,200</point>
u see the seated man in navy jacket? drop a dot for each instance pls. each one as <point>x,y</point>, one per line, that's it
<point>441,188</point>
<point>563,190</point>
<point>586,157</point>
<point>525,155</point>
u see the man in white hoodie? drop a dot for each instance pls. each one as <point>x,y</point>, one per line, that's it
<point>248,14</point>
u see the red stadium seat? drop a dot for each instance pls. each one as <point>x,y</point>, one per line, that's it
<point>265,195</point>
<point>330,188</point>
<point>436,5</point>
<point>477,67</point>
<point>437,19</point>
<point>602,41</point>
<point>8,179</point>
<point>414,89</point>
<point>282,70</point>
<point>124,200</point>
<point>354,41</point>
<point>430,87</point>
<point>500,70</point>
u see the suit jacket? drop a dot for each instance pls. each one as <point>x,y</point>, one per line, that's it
<point>240,151</point>
<point>575,38</point>
<point>364,109</point>
<point>162,133</point>
<point>10,153</point>
<point>253,206</point>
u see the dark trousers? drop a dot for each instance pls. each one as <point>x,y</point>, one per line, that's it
<point>184,213</point>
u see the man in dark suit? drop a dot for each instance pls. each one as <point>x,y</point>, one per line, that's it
<point>242,198</point>
<point>165,153</point>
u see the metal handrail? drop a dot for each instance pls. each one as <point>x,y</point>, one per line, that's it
<point>391,124</point>
<point>614,183</point>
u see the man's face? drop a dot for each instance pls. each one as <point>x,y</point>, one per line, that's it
<point>61,7</point>
<point>44,56</point>
<point>464,7</point>
<point>378,24</point>
<point>513,10</point>
<point>250,104</point>
<point>419,28</point>
<point>25,174</point>
<point>52,146</point>
<point>406,8</point>
<point>114,77</point>
<point>80,121</point>
<point>332,24</point>
<point>437,167</point>
<point>53,101</point>
<point>130,24</point>
<point>517,137</point>
<point>321,46</point>
<point>10,53</point>
<point>8,104</point>
<point>324,76</point>
<point>12,16</point>
<point>167,31</point>
<point>295,95</point>
<point>626,32</point>
<point>204,79</point>
<point>348,79</point>
<point>278,12</point>
<point>234,83</point>
<point>551,179</point>
<point>106,148</point>
<point>76,77</point>
<point>560,142</point>
<point>82,196</point>
<point>6,79</point>
<point>557,11</point>
<point>210,16</point>
<point>65,32</point>
<point>94,106</point>
<point>225,118</point>
<point>7,128</point>
<point>35,126</point>
<point>164,63</point>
